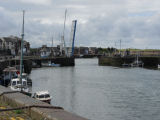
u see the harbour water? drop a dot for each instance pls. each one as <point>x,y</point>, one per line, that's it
<point>102,92</point>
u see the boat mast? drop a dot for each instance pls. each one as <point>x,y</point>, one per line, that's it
<point>52,47</point>
<point>21,60</point>
<point>63,39</point>
<point>120,46</point>
<point>64,22</point>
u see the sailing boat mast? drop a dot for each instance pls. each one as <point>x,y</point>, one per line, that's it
<point>63,40</point>
<point>52,47</point>
<point>64,22</point>
<point>21,60</point>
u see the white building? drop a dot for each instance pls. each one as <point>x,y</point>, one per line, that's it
<point>13,44</point>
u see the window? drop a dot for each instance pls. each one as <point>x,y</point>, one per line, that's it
<point>14,83</point>
<point>47,95</point>
<point>18,82</point>
<point>41,96</point>
<point>24,83</point>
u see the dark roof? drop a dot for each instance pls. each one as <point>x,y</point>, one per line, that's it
<point>13,39</point>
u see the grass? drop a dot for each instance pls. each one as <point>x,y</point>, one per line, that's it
<point>131,49</point>
<point>18,111</point>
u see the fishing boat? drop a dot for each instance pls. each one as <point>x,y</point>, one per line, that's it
<point>43,96</point>
<point>20,83</point>
<point>12,72</point>
<point>26,77</point>
<point>8,74</point>
<point>16,85</point>
<point>158,66</point>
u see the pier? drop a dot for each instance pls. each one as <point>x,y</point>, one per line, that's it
<point>149,61</point>
<point>29,60</point>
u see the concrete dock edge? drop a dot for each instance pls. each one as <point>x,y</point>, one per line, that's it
<point>19,100</point>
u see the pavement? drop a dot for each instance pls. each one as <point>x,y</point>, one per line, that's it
<point>12,115</point>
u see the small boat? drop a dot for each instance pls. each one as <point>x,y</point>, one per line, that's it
<point>25,76</point>
<point>50,64</point>
<point>16,85</point>
<point>54,65</point>
<point>20,83</point>
<point>43,96</point>
<point>137,63</point>
<point>8,74</point>
<point>126,65</point>
<point>158,66</point>
<point>12,72</point>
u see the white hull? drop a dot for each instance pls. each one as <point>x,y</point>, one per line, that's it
<point>15,85</point>
<point>158,66</point>
<point>19,89</point>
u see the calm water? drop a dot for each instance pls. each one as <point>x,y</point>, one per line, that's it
<point>102,92</point>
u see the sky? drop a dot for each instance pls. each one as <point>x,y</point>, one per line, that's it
<point>101,23</point>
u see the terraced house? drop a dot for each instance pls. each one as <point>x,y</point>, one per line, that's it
<point>12,46</point>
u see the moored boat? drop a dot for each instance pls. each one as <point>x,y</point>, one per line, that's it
<point>43,96</point>
<point>8,74</point>
<point>16,85</point>
<point>126,65</point>
<point>54,65</point>
<point>50,64</point>
<point>25,76</point>
<point>158,66</point>
<point>137,63</point>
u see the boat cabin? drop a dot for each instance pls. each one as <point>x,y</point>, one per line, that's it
<point>8,74</point>
<point>43,96</point>
<point>15,85</point>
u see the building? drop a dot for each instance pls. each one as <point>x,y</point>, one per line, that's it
<point>93,50</point>
<point>45,51</point>
<point>84,50</point>
<point>13,44</point>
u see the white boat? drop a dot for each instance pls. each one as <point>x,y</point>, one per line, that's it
<point>8,74</point>
<point>137,63</point>
<point>25,76</point>
<point>16,85</point>
<point>43,96</point>
<point>54,65</point>
<point>50,64</point>
<point>158,66</point>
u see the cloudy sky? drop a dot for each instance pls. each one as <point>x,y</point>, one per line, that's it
<point>101,23</point>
